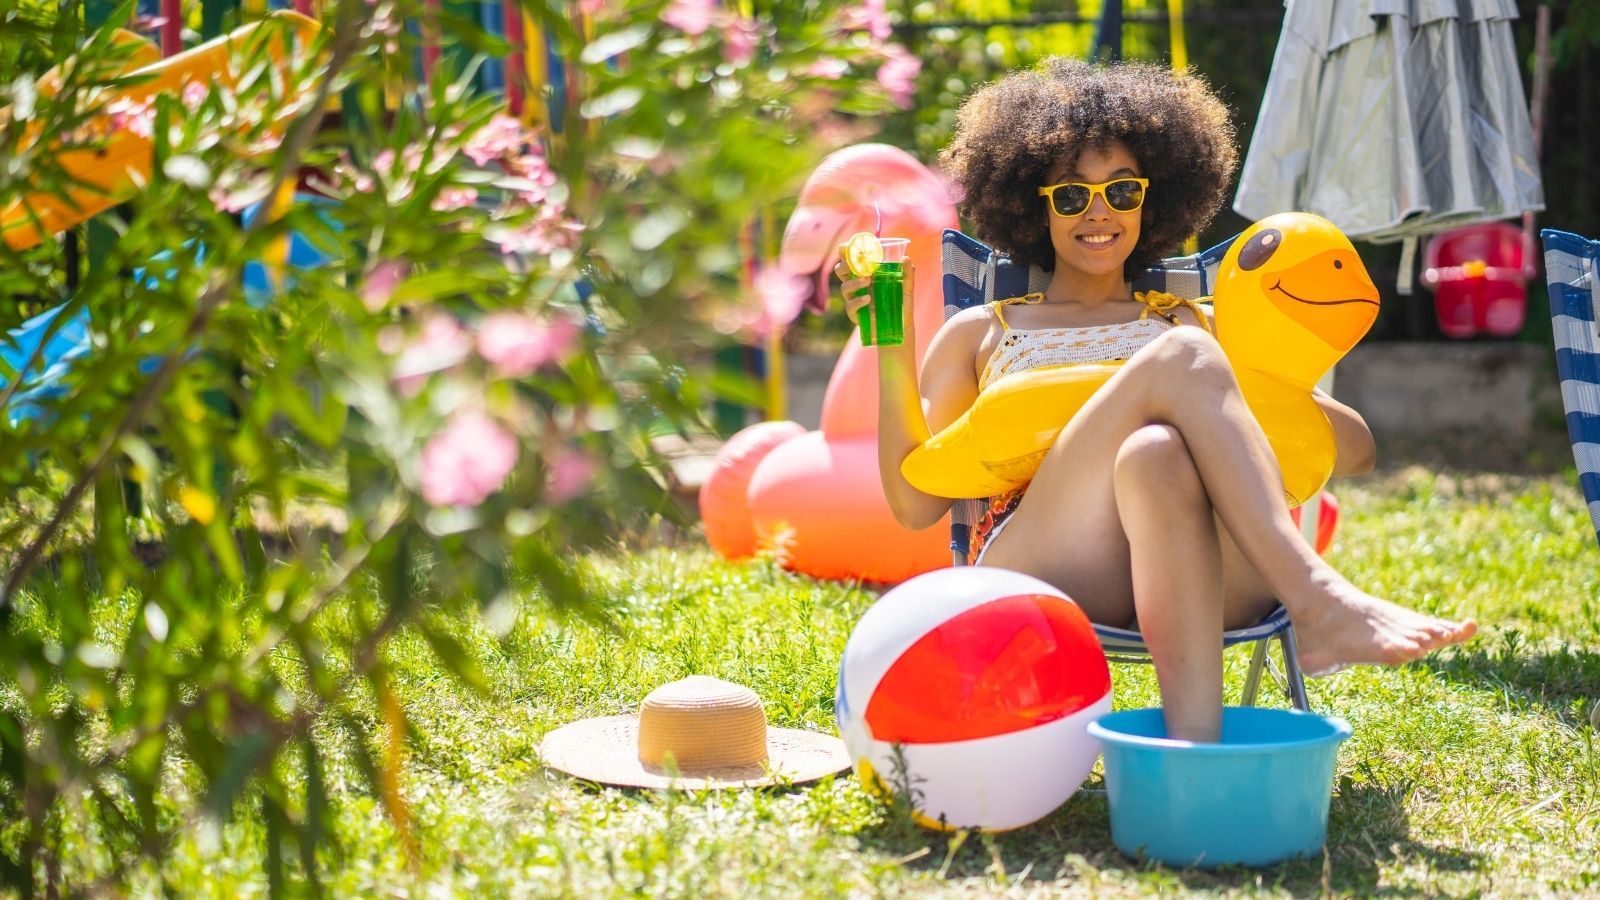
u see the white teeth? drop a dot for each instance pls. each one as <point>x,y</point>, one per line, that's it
<point>1097,239</point>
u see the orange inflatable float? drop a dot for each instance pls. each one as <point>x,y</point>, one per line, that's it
<point>818,493</point>
<point>112,171</point>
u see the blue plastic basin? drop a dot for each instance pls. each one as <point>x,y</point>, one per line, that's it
<point>1258,797</point>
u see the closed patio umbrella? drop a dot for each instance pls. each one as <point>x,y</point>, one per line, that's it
<point>1393,118</point>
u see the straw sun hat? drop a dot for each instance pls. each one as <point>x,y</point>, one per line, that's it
<point>696,733</point>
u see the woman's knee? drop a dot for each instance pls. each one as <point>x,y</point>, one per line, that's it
<point>1186,357</point>
<point>1155,458</point>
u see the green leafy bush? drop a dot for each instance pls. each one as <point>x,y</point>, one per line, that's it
<point>425,426</point>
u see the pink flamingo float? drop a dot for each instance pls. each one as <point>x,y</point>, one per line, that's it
<point>817,494</point>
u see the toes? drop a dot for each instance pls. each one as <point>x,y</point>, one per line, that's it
<point>1443,632</point>
<point>1439,633</point>
<point>1402,651</point>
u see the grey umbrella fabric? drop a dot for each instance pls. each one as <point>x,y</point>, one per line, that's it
<point>1393,118</point>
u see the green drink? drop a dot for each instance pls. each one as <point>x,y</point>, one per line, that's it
<point>883,324</point>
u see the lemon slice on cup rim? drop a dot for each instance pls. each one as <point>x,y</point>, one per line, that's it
<point>862,254</point>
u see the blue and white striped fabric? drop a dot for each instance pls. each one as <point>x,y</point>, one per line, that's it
<point>1570,264</point>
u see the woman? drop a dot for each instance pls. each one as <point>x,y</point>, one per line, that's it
<point>1159,505</point>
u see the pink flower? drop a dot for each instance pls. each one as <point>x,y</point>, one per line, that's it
<point>782,294</point>
<point>441,345</point>
<point>739,41</point>
<point>501,137</point>
<point>380,283</point>
<point>871,15</point>
<point>410,161</point>
<point>592,7</point>
<point>194,94</point>
<point>467,460</point>
<point>544,234</point>
<point>138,117</point>
<point>396,171</point>
<point>569,474</point>
<point>534,169</point>
<point>829,67</point>
<point>898,74</point>
<point>692,17</point>
<point>516,344</point>
<point>455,197</point>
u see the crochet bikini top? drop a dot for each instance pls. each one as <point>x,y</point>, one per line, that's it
<point>1030,348</point>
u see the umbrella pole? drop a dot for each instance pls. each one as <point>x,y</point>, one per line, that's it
<point>1541,83</point>
<point>1180,62</point>
<point>1108,32</point>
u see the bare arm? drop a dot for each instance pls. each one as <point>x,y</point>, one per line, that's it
<point>1357,451</point>
<point>909,412</point>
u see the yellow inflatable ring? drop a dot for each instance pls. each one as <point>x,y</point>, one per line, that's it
<point>1292,298</point>
<point>999,442</point>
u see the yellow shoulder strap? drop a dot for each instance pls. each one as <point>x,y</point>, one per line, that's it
<point>1162,304</point>
<point>998,305</point>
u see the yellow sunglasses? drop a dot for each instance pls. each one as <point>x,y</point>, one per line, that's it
<point>1072,198</point>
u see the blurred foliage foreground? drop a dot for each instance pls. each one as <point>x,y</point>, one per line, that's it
<point>465,392</point>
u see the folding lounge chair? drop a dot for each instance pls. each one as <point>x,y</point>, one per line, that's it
<point>1570,266</point>
<point>975,274</point>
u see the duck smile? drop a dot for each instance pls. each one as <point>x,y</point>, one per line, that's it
<point>1279,288</point>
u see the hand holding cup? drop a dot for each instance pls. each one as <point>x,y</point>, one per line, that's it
<point>857,291</point>
<point>874,273</point>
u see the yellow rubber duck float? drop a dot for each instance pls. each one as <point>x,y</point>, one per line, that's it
<point>1292,298</point>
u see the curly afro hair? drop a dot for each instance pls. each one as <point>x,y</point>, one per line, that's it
<point>1012,133</point>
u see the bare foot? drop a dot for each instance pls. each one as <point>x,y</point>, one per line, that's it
<point>1348,627</point>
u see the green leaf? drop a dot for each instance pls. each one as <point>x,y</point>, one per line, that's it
<point>314,829</point>
<point>243,760</point>
<point>454,656</point>
<point>276,823</point>
<point>431,286</point>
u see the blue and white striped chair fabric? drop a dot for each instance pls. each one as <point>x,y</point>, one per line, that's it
<point>1570,265</point>
<point>976,274</point>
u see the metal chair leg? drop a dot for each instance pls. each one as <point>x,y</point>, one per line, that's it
<point>1252,678</point>
<point>1291,669</point>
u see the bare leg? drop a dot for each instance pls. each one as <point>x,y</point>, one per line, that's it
<point>1177,584</point>
<point>1068,530</point>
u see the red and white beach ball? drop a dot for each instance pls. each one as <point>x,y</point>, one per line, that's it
<point>973,686</point>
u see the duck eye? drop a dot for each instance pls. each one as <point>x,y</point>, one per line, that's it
<point>1255,253</point>
<point>1337,264</point>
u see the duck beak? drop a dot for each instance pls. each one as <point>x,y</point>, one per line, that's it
<point>1336,303</point>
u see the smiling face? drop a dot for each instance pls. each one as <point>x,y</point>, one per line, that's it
<point>1096,244</point>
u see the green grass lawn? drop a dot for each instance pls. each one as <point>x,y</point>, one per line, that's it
<point>1472,772</point>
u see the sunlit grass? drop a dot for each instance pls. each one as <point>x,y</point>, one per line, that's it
<point>1472,772</point>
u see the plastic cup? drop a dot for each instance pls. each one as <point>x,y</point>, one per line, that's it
<point>882,322</point>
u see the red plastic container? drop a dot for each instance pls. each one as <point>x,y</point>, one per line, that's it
<point>1478,278</point>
